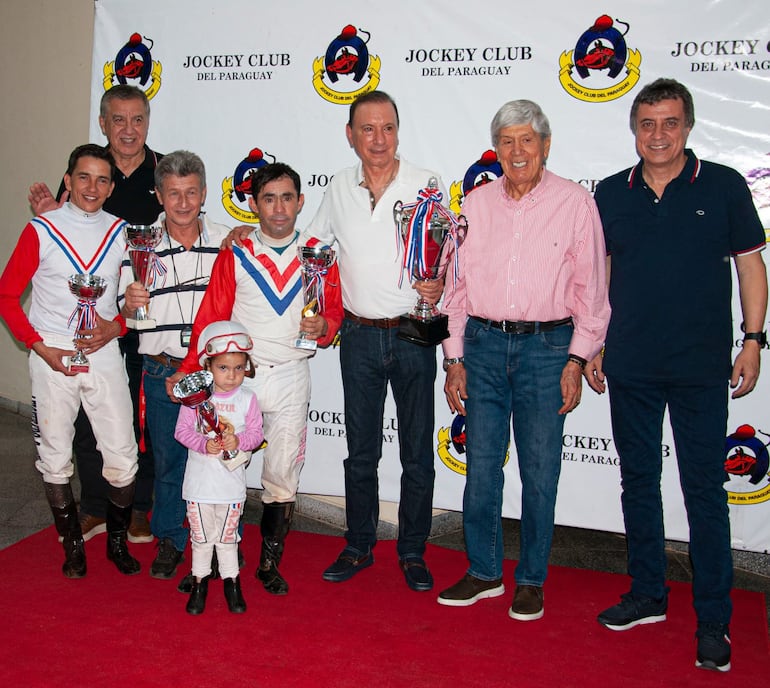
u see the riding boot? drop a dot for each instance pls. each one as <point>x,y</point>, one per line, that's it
<point>118,520</point>
<point>65,516</point>
<point>233,595</point>
<point>197,602</point>
<point>276,521</point>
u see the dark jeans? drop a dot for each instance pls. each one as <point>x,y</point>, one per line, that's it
<point>93,486</point>
<point>698,416</point>
<point>370,358</point>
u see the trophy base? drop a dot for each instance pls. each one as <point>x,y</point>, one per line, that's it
<point>134,324</point>
<point>78,367</point>
<point>423,332</point>
<point>308,344</point>
<point>238,460</point>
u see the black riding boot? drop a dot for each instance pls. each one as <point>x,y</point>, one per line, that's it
<point>276,520</point>
<point>118,520</point>
<point>197,602</point>
<point>234,596</point>
<point>65,516</point>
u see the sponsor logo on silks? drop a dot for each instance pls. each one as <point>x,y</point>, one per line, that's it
<point>451,446</point>
<point>486,169</point>
<point>747,463</point>
<point>134,65</point>
<point>237,189</point>
<point>347,70</point>
<point>606,67</point>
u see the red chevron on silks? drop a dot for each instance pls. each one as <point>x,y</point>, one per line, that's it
<point>148,270</point>
<point>315,262</point>
<point>87,288</point>
<point>430,235</point>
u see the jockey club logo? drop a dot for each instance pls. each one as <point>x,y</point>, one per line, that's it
<point>134,64</point>
<point>338,76</point>
<point>747,463</point>
<point>239,185</point>
<point>599,58</point>
<point>451,438</point>
<point>758,180</point>
<point>486,169</point>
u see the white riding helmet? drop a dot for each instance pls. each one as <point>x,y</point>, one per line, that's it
<point>222,337</point>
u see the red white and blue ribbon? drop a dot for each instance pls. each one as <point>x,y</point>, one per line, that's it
<point>314,280</point>
<point>415,243</point>
<point>85,312</point>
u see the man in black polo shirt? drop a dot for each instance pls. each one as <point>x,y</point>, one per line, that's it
<point>671,224</point>
<point>124,118</point>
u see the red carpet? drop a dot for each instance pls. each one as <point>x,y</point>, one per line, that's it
<point>110,630</point>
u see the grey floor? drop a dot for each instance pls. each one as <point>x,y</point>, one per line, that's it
<point>24,511</point>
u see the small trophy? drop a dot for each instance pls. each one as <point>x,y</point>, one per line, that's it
<point>315,262</point>
<point>431,235</point>
<point>87,288</point>
<point>142,240</point>
<point>195,390</point>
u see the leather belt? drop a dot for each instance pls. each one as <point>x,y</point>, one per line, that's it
<point>165,360</point>
<point>382,323</point>
<point>523,326</point>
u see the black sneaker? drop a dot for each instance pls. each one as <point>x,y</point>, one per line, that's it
<point>166,561</point>
<point>634,610</point>
<point>713,646</point>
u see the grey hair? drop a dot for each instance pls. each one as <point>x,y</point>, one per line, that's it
<point>180,163</point>
<point>518,112</point>
<point>123,92</point>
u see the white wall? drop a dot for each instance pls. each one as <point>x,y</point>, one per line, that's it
<point>45,52</point>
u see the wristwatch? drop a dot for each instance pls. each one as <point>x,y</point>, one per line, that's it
<point>452,361</point>
<point>760,337</point>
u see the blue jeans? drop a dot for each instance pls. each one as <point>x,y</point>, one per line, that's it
<point>369,359</point>
<point>698,416</point>
<point>512,377</point>
<point>168,514</point>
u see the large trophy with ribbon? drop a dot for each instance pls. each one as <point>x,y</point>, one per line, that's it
<point>195,390</point>
<point>315,262</point>
<point>142,240</point>
<point>431,235</point>
<point>87,288</point>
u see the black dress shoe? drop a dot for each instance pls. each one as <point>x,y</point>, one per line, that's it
<point>348,564</point>
<point>416,574</point>
<point>233,595</point>
<point>186,584</point>
<point>197,602</point>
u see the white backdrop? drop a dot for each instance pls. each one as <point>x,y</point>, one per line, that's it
<point>243,82</point>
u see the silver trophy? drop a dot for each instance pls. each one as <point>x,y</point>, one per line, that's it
<point>87,288</point>
<point>431,235</point>
<point>142,240</point>
<point>315,262</point>
<point>195,390</point>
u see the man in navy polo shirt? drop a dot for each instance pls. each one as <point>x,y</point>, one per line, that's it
<point>671,224</point>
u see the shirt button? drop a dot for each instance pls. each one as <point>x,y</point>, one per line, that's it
<point>657,200</point>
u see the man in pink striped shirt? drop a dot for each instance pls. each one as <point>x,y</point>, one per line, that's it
<point>528,310</point>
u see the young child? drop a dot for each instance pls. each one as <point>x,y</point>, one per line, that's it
<point>215,494</point>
